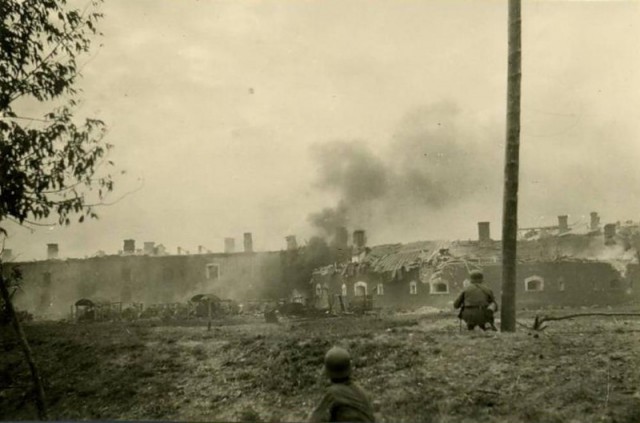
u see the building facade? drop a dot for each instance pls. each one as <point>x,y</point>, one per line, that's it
<point>51,286</point>
<point>542,284</point>
<point>557,266</point>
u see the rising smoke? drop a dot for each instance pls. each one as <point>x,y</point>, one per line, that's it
<point>430,164</point>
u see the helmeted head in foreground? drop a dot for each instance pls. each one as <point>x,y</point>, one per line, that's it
<point>337,363</point>
<point>476,276</point>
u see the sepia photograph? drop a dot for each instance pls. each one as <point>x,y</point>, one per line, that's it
<point>320,211</point>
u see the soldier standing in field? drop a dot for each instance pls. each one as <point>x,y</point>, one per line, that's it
<point>477,303</point>
<point>344,401</point>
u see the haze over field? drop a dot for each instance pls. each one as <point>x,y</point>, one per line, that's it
<point>242,116</point>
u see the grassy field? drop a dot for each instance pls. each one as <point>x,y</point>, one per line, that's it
<point>416,368</point>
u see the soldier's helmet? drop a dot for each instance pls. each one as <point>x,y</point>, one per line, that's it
<point>337,363</point>
<point>476,275</point>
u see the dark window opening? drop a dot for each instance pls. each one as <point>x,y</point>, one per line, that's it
<point>534,285</point>
<point>440,288</point>
<point>45,296</point>
<point>360,289</point>
<point>213,271</point>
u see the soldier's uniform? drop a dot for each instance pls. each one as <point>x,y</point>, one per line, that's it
<point>475,303</point>
<point>344,401</point>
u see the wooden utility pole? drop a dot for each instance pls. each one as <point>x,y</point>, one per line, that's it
<point>511,168</point>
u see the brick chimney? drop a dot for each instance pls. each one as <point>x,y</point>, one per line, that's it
<point>229,245</point>
<point>52,251</point>
<point>484,231</point>
<point>129,246</point>
<point>609,233</point>
<point>359,238</point>
<point>149,248</point>
<point>563,223</point>
<point>248,242</point>
<point>595,221</point>
<point>292,244</point>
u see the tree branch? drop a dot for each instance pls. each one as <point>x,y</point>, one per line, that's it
<point>126,194</point>
<point>25,118</point>
<point>540,320</point>
<point>29,222</point>
<point>60,42</point>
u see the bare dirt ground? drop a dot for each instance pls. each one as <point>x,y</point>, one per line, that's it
<point>417,367</point>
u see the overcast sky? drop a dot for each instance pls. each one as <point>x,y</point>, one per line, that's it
<point>215,109</point>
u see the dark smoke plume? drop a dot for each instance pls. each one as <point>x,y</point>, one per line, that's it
<point>353,170</point>
<point>328,220</point>
<point>431,163</point>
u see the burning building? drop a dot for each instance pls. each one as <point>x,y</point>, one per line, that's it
<point>559,265</point>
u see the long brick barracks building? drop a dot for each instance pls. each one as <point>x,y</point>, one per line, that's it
<point>560,265</point>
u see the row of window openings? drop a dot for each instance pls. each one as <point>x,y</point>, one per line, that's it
<point>536,283</point>
<point>532,284</point>
<point>212,271</point>
<point>360,288</point>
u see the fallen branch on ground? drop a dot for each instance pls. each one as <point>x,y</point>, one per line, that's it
<point>540,320</point>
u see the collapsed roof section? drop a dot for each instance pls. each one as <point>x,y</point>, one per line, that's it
<point>619,249</point>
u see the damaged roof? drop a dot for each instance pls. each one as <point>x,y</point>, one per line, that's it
<point>470,253</point>
<point>392,257</point>
<point>580,245</point>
